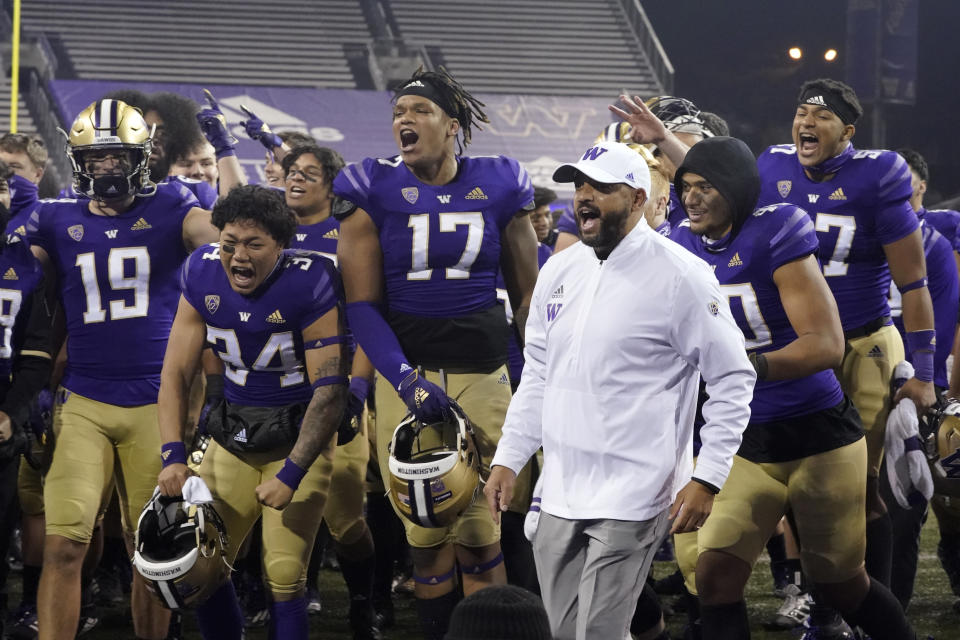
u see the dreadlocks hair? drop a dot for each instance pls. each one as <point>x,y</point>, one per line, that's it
<point>468,110</point>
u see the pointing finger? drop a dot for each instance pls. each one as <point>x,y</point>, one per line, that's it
<point>210,99</point>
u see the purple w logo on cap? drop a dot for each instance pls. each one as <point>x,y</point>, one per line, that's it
<point>593,153</point>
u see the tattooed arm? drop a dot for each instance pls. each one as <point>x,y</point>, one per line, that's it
<point>328,365</point>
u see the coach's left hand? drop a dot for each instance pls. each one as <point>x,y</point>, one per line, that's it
<point>274,494</point>
<point>691,508</point>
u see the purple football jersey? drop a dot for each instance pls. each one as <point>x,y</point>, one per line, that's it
<point>675,211</point>
<point>568,223</point>
<point>863,207</point>
<point>321,238</point>
<point>205,194</point>
<point>21,273</point>
<point>259,337</point>
<point>117,281</point>
<point>944,286</point>
<point>514,352</point>
<point>439,242</point>
<point>771,237</point>
<point>945,221</point>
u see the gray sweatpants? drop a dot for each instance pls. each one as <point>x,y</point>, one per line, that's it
<point>592,571</point>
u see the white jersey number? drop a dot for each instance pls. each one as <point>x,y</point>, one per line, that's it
<point>128,268</point>
<point>10,300</point>
<point>278,343</point>
<point>837,265</point>
<point>752,315</point>
<point>420,223</point>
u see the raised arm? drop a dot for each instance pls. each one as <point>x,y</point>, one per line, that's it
<point>214,126</point>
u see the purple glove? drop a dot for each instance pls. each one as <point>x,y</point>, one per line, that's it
<point>214,127</point>
<point>258,130</point>
<point>425,400</point>
<point>41,413</point>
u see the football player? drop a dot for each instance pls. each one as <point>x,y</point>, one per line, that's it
<point>25,365</point>
<point>197,163</point>
<point>859,202</point>
<point>541,218</point>
<point>419,257</point>
<point>938,226</point>
<point>310,171</point>
<point>26,156</point>
<point>114,256</point>
<point>273,317</point>
<point>803,450</point>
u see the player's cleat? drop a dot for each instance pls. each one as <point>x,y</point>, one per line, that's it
<point>24,623</point>
<point>794,611</point>
<point>314,606</point>
<point>828,629</point>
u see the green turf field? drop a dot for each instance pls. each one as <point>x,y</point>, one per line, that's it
<point>931,611</point>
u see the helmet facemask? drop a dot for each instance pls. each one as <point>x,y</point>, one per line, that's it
<point>110,127</point>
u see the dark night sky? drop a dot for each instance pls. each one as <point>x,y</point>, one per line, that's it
<point>730,57</point>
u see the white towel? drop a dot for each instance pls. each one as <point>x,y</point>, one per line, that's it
<point>532,521</point>
<point>195,491</point>
<point>907,468</point>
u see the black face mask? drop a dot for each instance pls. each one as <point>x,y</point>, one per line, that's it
<point>111,186</point>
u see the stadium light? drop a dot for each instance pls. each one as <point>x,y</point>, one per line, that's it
<point>830,55</point>
<point>795,53</point>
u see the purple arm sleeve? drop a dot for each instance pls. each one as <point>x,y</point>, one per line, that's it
<point>378,341</point>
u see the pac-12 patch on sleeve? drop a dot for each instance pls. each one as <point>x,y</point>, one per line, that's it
<point>713,307</point>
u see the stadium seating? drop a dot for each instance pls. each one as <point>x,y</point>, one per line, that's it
<point>564,47</point>
<point>281,42</point>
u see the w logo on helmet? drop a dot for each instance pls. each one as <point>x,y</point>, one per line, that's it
<point>593,153</point>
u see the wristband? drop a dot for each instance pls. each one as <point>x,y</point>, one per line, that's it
<point>173,453</point>
<point>759,362</point>
<point>712,488</point>
<point>291,474</point>
<point>921,346</point>
<point>360,387</point>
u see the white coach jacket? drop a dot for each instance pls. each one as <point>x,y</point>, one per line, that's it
<point>614,354</point>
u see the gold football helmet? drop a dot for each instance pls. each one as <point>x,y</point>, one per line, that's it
<point>434,469</point>
<point>110,127</point>
<point>941,439</point>
<point>180,551</point>
<point>620,132</point>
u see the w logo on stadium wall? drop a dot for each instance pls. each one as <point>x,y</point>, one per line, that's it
<point>593,153</point>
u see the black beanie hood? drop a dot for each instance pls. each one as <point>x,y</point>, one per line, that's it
<point>728,164</point>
